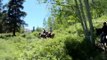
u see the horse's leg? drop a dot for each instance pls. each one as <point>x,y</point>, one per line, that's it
<point>45,36</point>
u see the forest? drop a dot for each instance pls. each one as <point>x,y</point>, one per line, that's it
<point>76,31</point>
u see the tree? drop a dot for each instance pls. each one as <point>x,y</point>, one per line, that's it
<point>33,29</point>
<point>50,23</point>
<point>39,29</point>
<point>15,16</point>
<point>89,19</point>
<point>1,16</point>
<point>45,23</point>
<point>65,12</point>
<point>81,16</point>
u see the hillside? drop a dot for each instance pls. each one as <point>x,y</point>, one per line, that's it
<point>68,44</point>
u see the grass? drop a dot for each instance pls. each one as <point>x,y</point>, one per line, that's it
<point>68,44</point>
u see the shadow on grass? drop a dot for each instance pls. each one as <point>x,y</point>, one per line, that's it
<point>82,50</point>
<point>3,36</point>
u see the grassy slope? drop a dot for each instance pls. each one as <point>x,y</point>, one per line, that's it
<point>67,43</point>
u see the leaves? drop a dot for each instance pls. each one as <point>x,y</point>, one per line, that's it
<point>15,15</point>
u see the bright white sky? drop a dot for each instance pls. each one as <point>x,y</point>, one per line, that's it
<point>35,13</point>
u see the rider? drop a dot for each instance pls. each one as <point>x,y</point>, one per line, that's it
<point>44,31</point>
<point>104,28</point>
<point>104,33</point>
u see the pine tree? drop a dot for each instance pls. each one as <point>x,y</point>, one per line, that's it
<point>1,16</point>
<point>15,15</point>
<point>33,29</point>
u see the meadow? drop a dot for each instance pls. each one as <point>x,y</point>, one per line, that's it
<point>68,44</point>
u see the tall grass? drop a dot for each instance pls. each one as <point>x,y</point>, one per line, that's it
<point>68,44</point>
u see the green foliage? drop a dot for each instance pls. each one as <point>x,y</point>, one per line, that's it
<point>68,44</point>
<point>29,48</point>
<point>14,16</point>
<point>38,29</point>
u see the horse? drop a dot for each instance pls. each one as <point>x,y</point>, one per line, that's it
<point>50,35</point>
<point>47,35</point>
<point>103,40</point>
<point>42,35</point>
<point>98,31</point>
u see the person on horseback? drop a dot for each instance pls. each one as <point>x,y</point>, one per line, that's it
<point>104,28</point>
<point>104,33</point>
<point>44,32</point>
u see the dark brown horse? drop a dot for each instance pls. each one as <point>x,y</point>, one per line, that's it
<point>98,31</point>
<point>103,36</point>
<point>50,35</point>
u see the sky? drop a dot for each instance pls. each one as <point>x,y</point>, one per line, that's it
<point>36,13</point>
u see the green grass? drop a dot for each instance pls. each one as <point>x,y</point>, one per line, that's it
<point>68,44</point>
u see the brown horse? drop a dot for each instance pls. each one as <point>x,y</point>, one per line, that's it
<point>50,35</point>
<point>46,35</point>
<point>42,35</point>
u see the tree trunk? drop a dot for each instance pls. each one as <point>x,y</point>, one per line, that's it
<point>14,29</point>
<point>84,20</point>
<point>93,2</point>
<point>90,20</point>
<point>14,32</point>
<point>80,17</point>
<point>1,28</point>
